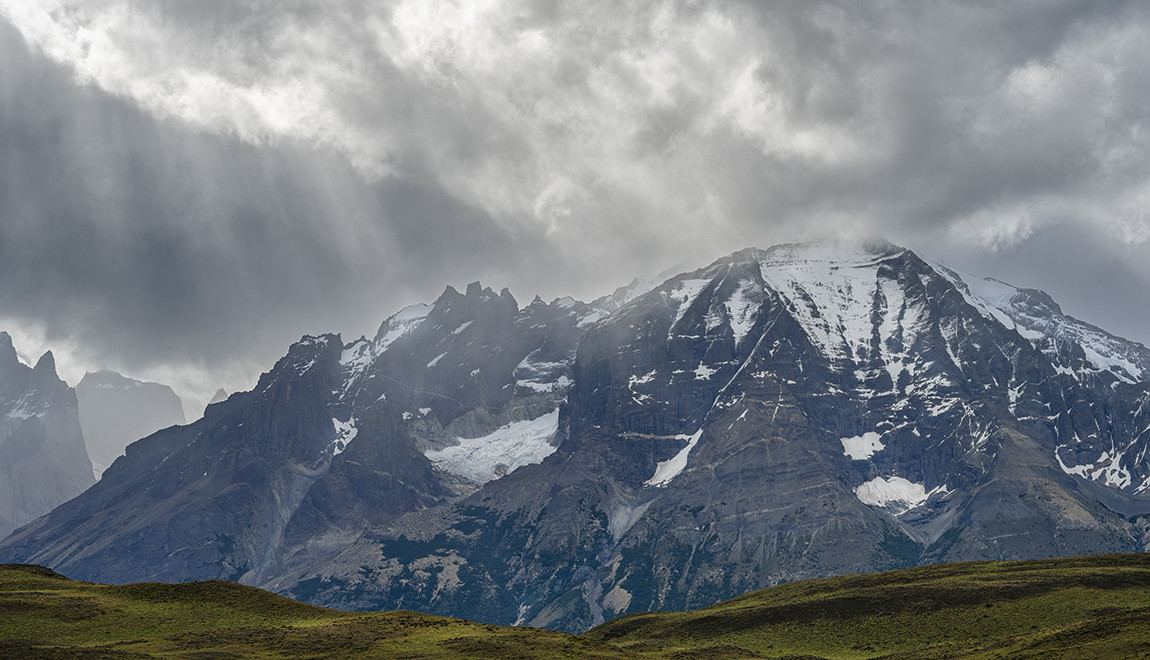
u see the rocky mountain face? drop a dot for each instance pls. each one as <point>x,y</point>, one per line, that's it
<point>800,411</point>
<point>333,441</point>
<point>116,411</point>
<point>43,462</point>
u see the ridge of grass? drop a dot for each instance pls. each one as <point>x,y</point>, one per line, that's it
<point>1080,607</point>
<point>1093,606</point>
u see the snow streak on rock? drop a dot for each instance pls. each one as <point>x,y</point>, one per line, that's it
<point>538,375</point>
<point>1035,316</point>
<point>401,323</point>
<point>824,284</point>
<point>684,295</point>
<point>1107,469</point>
<point>667,470</point>
<point>742,310</point>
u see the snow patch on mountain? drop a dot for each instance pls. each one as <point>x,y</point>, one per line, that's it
<point>742,310</point>
<point>685,294</point>
<point>896,493</point>
<point>540,375</point>
<point>305,360</point>
<point>990,297</point>
<point>902,319</point>
<point>1107,469</point>
<point>484,459</point>
<point>703,372</point>
<point>641,380</point>
<point>560,383</point>
<point>591,319</point>
<point>401,323</point>
<point>28,406</point>
<point>862,447</point>
<point>667,470</point>
<point>622,516</point>
<point>604,306</point>
<point>1034,316</point>
<point>345,432</point>
<point>357,356</point>
<point>639,397</point>
<point>828,288</point>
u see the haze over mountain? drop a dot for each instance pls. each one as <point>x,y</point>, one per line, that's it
<point>43,461</point>
<point>220,395</point>
<point>115,411</point>
<point>800,411</point>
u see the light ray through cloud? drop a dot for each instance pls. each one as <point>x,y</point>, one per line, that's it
<point>202,178</point>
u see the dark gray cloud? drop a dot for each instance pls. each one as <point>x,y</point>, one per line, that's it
<point>189,186</point>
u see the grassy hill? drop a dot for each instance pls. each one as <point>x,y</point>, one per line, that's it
<point>1081,607</point>
<point>43,614</point>
<point>1096,607</point>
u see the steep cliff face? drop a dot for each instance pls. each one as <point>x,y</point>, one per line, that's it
<point>43,461</point>
<point>800,411</point>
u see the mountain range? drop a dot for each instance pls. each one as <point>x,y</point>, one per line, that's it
<point>801,411</point>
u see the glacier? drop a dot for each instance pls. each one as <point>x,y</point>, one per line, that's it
<point>484,459</point>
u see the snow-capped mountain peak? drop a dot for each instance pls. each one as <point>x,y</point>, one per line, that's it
<point>832,288</point>
<point>1076,347</point>
<point>782,413</point>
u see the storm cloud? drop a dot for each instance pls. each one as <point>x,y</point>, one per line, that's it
<point>188,186</point>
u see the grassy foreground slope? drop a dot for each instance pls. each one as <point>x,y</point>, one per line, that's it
<point>1081,607</point>
<point>45,615</point>
<point>1094,607</point>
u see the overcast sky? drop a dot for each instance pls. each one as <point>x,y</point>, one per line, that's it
<point>187,186</point>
